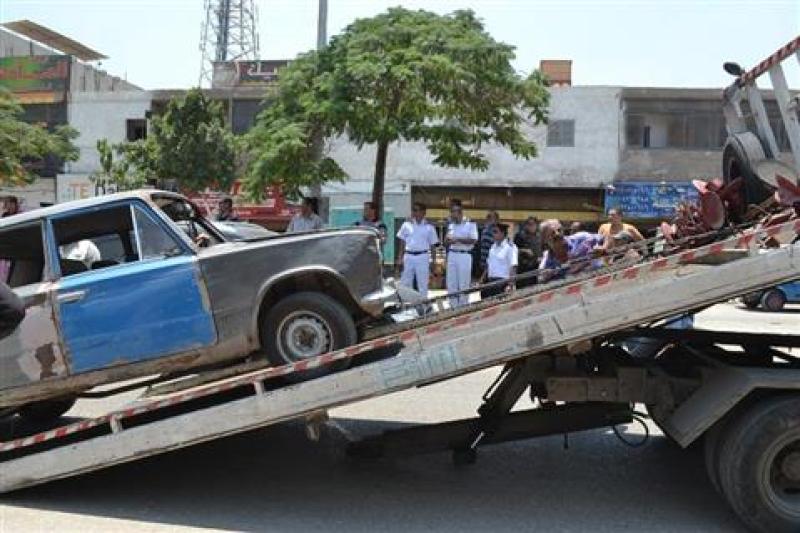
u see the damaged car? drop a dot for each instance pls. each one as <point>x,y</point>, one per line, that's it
<point>140,284</point>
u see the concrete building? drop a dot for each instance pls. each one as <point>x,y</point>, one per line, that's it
<point>52,77</point>
<point>578,156</point>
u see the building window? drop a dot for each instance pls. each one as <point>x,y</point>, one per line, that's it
<point>561,133</point>
<point>135,129</point>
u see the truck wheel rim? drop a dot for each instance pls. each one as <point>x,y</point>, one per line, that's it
<point>781,477</point>
<point>303,334</point>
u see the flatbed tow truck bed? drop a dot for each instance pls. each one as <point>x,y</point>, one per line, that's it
<point>514,328</point>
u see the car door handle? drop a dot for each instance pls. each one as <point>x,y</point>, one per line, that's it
<point>71,297</point>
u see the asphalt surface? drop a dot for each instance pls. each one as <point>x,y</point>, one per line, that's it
<point>277,480</point>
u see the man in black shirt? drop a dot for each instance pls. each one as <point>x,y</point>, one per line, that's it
<point>12,310</point>
<point>529,245</point>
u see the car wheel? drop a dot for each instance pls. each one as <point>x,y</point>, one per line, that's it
<point>751,300</point>
<point>305,325</point>
<point>759,465</point>
<point>773,300</point>
<point>46,411</point>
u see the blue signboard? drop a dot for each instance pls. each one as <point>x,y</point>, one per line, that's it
<point>648,199</point>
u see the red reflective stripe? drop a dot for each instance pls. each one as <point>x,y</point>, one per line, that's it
<point>545,296</point>
<point>574,289</point>
<point>302,365</point>
<point>716,248</point>
<point>745,240</point>
<point>630,273</point>
<point>603,280</point>
<point>687,256</point>
<point>660,263</point>
<point>490,312</point>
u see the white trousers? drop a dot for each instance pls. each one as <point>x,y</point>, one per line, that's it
<point>416,266</point>
<point>459,276</point>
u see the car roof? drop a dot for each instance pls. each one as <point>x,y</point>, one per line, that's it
<point>66,207</point>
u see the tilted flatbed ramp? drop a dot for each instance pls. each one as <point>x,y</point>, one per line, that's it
<point>523,324</point>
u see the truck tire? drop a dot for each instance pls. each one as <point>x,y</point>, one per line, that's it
<point>741,152</point>
<point>773,300</point>
<point>752,300</point>
<point>46,411</point>
<point>713,440</point>
<point>759,465</point>
<point>305,325</point>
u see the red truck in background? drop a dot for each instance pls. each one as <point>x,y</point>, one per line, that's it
<point>273,213</point>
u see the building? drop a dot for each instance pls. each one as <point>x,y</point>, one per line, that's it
<point>52,77</point>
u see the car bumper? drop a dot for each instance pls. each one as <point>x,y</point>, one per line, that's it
<point>376,302</point>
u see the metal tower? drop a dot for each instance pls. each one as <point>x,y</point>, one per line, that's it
<point>229,33</point>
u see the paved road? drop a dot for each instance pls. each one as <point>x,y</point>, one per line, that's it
<point>277,480</point>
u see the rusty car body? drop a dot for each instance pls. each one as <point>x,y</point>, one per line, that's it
<point>117,287</point>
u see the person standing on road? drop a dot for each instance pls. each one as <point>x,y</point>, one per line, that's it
<point>487,238</point>
<point>370,219</point>
<point>12,310</point>
<point>501,263</point>
<point>417,239</point>
<point>529,247</point>
<point>306,219</point>
<point>462,234</point>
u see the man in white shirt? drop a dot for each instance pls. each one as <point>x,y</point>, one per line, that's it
<point>462,234</point>
<point>501,264</point>
<point>306,219</point>
<point>417,239</point>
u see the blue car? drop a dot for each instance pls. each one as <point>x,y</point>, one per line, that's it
<point>140,284</point>
<point>774,298</point>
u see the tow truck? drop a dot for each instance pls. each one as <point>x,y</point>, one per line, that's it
<point>565,343</point>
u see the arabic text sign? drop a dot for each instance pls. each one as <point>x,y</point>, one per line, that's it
<point>257,72</point>
<point>649,200</point>
<point>34,74</point>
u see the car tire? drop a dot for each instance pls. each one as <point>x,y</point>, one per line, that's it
<point>46,411</point>
<point>305,325</point>
<point>773,300</point>
<point>759,465</point>
<point>752,300</point>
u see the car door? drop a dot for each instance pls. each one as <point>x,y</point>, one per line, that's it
<point>148,302</point>
<point>32,352</point>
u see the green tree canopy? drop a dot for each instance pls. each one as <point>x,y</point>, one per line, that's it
<point>189,145</point>
<point>402,75</point>
<point>21,142</point>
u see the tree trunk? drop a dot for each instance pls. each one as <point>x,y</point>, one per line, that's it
<point>379,181</point>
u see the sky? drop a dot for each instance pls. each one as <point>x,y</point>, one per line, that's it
<point>651,43</point>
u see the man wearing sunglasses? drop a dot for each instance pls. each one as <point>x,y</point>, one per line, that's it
<point>417,239</point>
<point>462,234</point>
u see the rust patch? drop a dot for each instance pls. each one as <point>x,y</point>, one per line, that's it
<point>47,358</point>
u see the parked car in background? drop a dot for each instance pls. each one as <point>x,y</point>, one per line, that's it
<point>139,284</point>
<point>774,298</point>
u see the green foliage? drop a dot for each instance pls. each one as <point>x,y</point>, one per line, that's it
<point>21,142</point>
<point>402,75</point>
<point>131,169</point>
<point>189,145</point>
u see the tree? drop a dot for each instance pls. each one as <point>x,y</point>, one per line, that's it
<point>188,145</point>
<point>400,76</point>
<point>21,142</point>
<point>130,170</point>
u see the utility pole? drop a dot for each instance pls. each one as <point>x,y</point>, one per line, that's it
<point>318,141</point>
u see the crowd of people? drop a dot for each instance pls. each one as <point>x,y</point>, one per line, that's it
<point>540,251</point>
